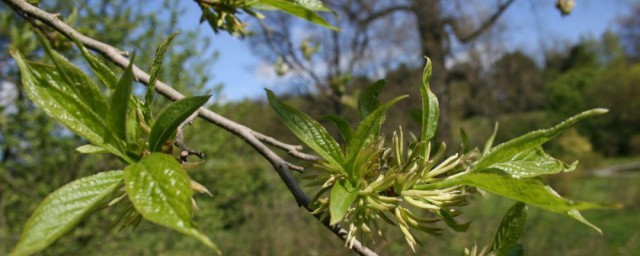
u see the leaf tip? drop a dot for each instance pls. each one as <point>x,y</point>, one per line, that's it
<point>575,214</point>
<point>426,75</point>
<point>600,111</point>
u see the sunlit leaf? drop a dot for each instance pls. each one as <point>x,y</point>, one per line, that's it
<point>343,194</point>
<point>369,129</point>
<point>531,191</point>
<point>489,143</point>
<point>314,5</point>
<point>76,80</point>
<point>170,118</point>
<point>133,124</point>
<point>101,70</point>
<point>507,150</point>
<point>510,229</point>
<point>117,115</point>
<point>153,76</point>
<point>294,9</point>
<point>46,87</point>
<point>91,149</point>
<point>63,209</point>
<point>532,163</point>
<point>430,107</point>
<point>159,189</point>
<point>307,130</point>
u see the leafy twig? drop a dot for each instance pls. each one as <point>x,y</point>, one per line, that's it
<point>253,138</point>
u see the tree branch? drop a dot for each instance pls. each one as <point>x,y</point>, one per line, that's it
<point>253,138</point>
<point>384,12</point>
<point>280,42</point>
<point>466,37</point>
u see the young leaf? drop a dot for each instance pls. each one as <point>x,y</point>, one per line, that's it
<point>76,80</point>
<point>343,194</point>
<point>510,229</point>
<point>314,5</point>
<point>430,108</point>
<point>171,117</point>
<point>159,189</point>
<point>532,163</point>
<point>101,70</point>
<point>507,150</point>
<point>531,191</point>
<point>117,116</point>
<point>370,127</point>
<point>133,123</point>
<point>46,88</point>
<point>343,127</point>
<point>91,149</point>
<point>489,143</point>
<point>308,131</point>
<point>63,209</point>
<point>465,140</point>
<point>296,9</point>
<point>451,221</point>
<point>153,76</point>
<point>368,100</point>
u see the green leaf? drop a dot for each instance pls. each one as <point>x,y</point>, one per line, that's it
<point>46,87</point>
<point>508,150</point>
<point>369,129</point>
<point>153,76</point>
<point>343,127</point>
<point>531,191</point>
<point>430,108</point>
<point>465,140</point>
<point>63,209</point>
<point>308,131</point>
<point>297,10</point>
<point>368,100</point>
<point>159,189</point>
<point>91,149</point>
<point>451,221</point>
<point>76,80</point>
<point>117,116</point>
<point>171,117</point>
<point>489,143</point>
<point>510,230</point>
<point>532,163</point>
<point>314,5</point>
<point>101,70</point>
<point>133,124</point>
<point>343,194</point>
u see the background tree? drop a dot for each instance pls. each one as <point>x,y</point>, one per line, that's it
<point>629,27</point>
<point>366,45</point>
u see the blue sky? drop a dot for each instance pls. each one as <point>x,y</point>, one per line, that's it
<point>532,25</point>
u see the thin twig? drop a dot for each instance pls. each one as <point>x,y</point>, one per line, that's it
<point>486,24</point>
<point>253,138</point>
<point>179,141</point>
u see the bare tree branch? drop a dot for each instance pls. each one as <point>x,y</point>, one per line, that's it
<point>383,13</point>
<point>254,139</point>
<point>468,36</point>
